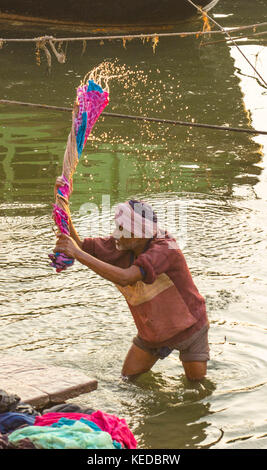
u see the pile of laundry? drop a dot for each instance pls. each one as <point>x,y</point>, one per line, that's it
<point>65,426</point>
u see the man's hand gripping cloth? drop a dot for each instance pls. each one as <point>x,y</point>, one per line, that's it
<point>90,102</point>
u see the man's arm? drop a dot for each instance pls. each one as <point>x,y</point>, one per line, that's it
<point>74,234</point>
<point>120,276</point>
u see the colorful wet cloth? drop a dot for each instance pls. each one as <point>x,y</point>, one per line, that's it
<point>76,435</point>
<point>116,427</point>
<point>90,102</point>
<point>48,419</point>
<point>91,424</point>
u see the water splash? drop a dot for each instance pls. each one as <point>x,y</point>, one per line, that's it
<point>106,71</point>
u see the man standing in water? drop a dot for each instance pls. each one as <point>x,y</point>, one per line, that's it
<point>150,270</point>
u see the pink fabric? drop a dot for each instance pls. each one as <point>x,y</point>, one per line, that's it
<point>65,189</point>
<point>91,102</point>
<point>61,219</point>
<point>115,426</point>
<point>50,418</point>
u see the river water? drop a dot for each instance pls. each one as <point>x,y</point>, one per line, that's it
<point>218,178</point>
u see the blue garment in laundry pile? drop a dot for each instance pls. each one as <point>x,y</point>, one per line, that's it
<point>91,424</point>
<point>10,421</point>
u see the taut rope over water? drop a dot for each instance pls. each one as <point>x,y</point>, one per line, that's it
<point>142,118</point>
<point>230,37</point>
<point>134,36</point>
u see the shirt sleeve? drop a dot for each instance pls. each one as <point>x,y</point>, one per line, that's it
<point>156,260</point>
<point>88,246</point>
<point>103,248</point>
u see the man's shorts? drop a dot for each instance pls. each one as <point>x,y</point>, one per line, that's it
<point>195,348</point>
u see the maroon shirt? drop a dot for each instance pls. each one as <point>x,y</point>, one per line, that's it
<point>166,305</point>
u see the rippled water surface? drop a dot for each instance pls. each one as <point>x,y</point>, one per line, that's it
<point>219,180</point>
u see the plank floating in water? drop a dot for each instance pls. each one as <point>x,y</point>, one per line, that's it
<point>41,385</point>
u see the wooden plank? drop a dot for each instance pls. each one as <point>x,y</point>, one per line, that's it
<point>41,385</point>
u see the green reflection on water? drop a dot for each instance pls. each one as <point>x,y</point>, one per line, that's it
<point>180,81</point>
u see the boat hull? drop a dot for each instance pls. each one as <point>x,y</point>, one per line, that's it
<point>105,12</point>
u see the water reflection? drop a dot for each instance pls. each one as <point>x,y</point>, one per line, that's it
<point>123,156</point>
<point>173,400</point>
<point>79,320</point>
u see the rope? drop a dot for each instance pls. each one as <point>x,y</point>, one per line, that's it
<point>229,36</point>
<point>142,118</point>
<point>237,38</point>
<point>136,36</point>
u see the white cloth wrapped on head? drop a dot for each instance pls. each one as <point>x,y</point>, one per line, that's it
<point>135,219</point>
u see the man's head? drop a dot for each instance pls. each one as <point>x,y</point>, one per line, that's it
<point>136,223</point>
